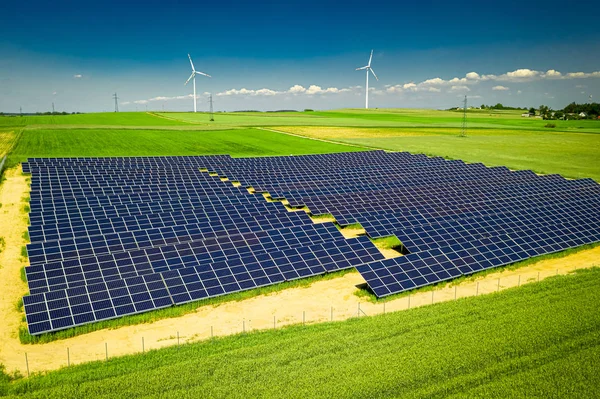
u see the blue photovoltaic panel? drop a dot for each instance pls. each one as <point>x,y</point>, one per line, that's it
<point>118,236</point>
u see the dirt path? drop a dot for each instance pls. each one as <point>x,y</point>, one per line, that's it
<point>13,222</point>
<point>322,301</point>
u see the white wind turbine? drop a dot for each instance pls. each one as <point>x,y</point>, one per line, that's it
<point>193,76</point>
<point>368,68</point>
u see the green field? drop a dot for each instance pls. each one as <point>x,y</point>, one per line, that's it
<point>494,138</point>
<point>540,340</point>
<point>139,142</point>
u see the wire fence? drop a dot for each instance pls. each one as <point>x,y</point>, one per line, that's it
<point>48,356</point>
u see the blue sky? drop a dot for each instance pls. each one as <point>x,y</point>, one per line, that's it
<point>296,55</point>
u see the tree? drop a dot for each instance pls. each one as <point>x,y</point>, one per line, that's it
<point>532,111</point>
<point>544,111</point>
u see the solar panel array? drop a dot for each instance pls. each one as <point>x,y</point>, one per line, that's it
<point>453,218</point>
<point>118,236</point>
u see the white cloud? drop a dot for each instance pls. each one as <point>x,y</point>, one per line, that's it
<point>296,89</point>
<point>141,102</point>
<point>552,74</point>
<point>78,76</point>
<point>519,92</point>
<point>455,89</point>
<point>500,88</point>
<point>126,102</point>
<point>434,81</point>
<point>53,93</point>
<point>265,92</point>
<point>473,76</point>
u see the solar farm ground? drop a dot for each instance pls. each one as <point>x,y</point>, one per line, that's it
<point>181,134</point>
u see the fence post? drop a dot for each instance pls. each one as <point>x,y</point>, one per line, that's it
<point>68,358</point>
<point>143,346</point>
<point>518,285</point>
<point>498,285</point>
<point>332,313</point>
<point>432,297</point>
<point>106,350</point>
<point>477,289</point>
<point>177,339</point>
<point>384,308</point>
<point>27,364</point>
<point>455,287</point>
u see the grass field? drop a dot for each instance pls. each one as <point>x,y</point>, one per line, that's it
<point>494,138</point>
<point>7,139</point>
<point>539,340</point>
<point>111,142</point>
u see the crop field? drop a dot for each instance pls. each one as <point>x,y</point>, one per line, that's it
<point>540,340</point>
<point>493,137</point>
<point>7,139</point>
<point>139,142</point>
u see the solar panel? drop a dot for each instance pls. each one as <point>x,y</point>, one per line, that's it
<point>118,236</point>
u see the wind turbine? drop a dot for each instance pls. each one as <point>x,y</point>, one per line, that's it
<point>193,76</point>
<point>368,68</point>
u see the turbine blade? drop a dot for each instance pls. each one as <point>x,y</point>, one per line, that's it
<point>190,78</point>
<point>369,64</point>
<point>358,69</point>
<point>373,72</point>
<point>191,63</point>
<point>202,73</point>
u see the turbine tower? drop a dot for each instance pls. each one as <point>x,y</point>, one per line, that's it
<point>368,68</point>
<point>193,77</point>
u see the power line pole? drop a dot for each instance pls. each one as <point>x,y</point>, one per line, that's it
<point>53,107</point>
<point>463,130</point>
<point>21,111</point>
<point>116,102</point>
<point>212,119</point>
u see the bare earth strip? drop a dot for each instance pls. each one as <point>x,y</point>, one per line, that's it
<point>322,301</point>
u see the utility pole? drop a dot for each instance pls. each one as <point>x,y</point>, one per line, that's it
<point>116,102</point>
<point>21,111</point>
<point>463,130</point>
<point>212,119</point>
<point>53,107</point>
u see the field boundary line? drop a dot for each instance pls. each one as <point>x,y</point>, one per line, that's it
<point>174,119</point>
<point>323,140</point>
